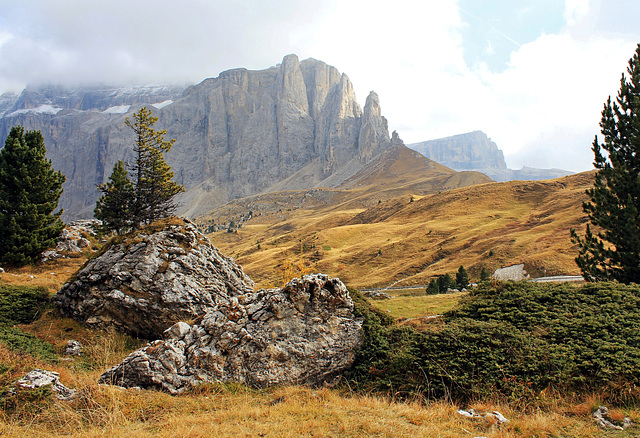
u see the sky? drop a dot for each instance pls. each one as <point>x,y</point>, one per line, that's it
<point>532,74</point>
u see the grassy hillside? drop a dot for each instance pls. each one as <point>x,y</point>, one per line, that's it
<point>228,410</point>
<point>410,238</point>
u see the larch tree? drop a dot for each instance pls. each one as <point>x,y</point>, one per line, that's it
<point>30,190</point>
<point>142,192</point>
<point>611,250</point>
<point>153,177</point>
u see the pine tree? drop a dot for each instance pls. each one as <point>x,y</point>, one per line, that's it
<point>154,188</point>
<point>613,253</point>
<point>444,283</point>
<point>433,289</point>
<point>29,193</point>
<point>462,278</point>
<point>115,206</point>
<point>485,275</point>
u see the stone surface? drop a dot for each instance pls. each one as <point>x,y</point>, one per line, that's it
<point>73,348</point>
<point>304,333</point>
<point>151,280</point>
<point>515,273</point>
<point>603,419</point>
<point>297,124</point>
<point>475,151</point>
<point>72,239</point>
<point>470,151</point>
<point>39,378</point>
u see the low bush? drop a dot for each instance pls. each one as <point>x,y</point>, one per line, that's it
<point>512,340</point>
<point>22,304</point>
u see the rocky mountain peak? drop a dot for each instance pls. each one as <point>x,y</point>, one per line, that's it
<point>241,133</point>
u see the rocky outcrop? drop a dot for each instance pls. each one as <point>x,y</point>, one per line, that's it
<point>303,333</point>
<point>72,240</point>
<point>471,151</point>
<point>239,134</point>
<point>475,151</point>
<point>152,279</point>
<point>40,378</point>
<point>513,273</point>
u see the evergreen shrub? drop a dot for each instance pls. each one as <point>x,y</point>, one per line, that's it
<point>512,340</point>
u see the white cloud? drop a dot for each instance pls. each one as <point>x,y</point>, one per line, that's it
<point>576,11</point>
<point>540,109</point>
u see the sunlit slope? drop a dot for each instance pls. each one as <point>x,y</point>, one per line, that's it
<point>391,223</point>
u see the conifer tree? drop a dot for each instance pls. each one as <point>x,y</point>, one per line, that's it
<point>613,252</point>
<point>462,278</point>
<point>154,188</point>
<point>29,193</point>
<point>115,206</point>
<point>485,275</point>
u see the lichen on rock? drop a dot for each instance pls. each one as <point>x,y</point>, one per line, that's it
<point>152,279</point>
<point>303,333</point>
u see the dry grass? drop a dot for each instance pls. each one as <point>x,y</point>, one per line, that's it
<point>52,275</point>
<point>399,241</point>
<point>408,306</point>
<point>232,411</point>
<point>229,410</point>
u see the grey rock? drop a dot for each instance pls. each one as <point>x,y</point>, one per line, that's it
<point>475,151</point>
<point>73,348</point>
<point>143,285</point>
<point>39,378</point>
<point>304,333</point>
<point>515,273</point>
<point>378,295</point>
<point>470,151</point>
<point>293,126</point>
<point>601,416</point>
<point>72,240</point>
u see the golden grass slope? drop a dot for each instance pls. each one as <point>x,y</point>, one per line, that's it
<point>410,238</point>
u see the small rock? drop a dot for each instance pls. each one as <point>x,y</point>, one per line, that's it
<point>39,378</point>
<point>602,418</point>
<point>515,273</point>
<point>74,348</point>
<point>378,295</point>
<point>494,416</point>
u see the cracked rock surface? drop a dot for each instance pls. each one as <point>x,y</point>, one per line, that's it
<point>151,280</point>
<point>303,333</point>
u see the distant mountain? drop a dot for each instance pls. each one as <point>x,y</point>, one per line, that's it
<point>295,125</point>
<point>476,151</point>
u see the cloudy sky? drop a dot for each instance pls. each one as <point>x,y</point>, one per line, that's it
<point>532,74</point>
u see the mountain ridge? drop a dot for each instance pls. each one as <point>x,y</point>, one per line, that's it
<point>238,134</point>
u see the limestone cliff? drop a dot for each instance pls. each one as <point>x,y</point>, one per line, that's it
<point>470,151</point>
<point>297,124</point>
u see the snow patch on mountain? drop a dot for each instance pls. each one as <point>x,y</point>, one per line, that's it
<point>162,104</point>
<point>120,109</point>
<point>42,109</point>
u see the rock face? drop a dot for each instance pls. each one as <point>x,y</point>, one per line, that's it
<point>297,124</point>
<point>515,273</point>
<point>304,333</point>
<point>148,282</point>
<point>475,151</point>
<point>471,151</point>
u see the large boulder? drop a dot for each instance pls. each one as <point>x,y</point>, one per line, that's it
<point>303,333</point>
<point>151,279</point>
